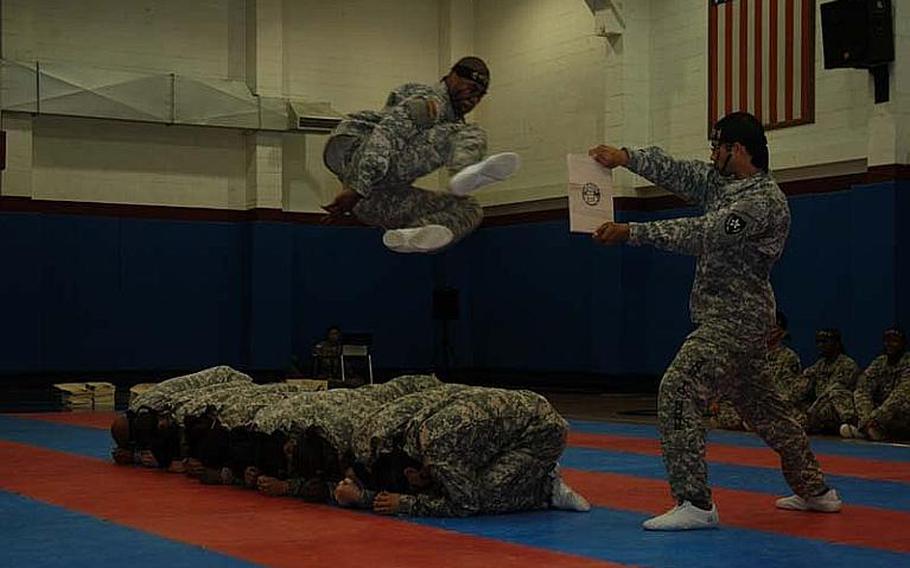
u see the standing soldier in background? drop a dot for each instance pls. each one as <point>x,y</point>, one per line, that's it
<point>736,243</point>
<point>377,156</point>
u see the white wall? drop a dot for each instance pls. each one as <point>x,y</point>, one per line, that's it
<point>202,37</point>
<point>556,88</point>
<point>79,159</point>
<point>546,92</point>
<point>351,54</point>
<point>553,94</point>
<point>118,162</point>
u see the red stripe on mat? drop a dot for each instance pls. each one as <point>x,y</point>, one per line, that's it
<point>86,419</point>
<point>855,525</point>
<point>878,470</point>
<point>273,532</point>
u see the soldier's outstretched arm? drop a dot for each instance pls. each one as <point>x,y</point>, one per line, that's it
<point>689,235</point>
<point>688,179</point>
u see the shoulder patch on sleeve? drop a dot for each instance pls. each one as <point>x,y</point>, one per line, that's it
<point>422,111</point>
<point>734,224</point>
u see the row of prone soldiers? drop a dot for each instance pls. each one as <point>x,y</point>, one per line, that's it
<point>834,395</point>
<point>411,446</point>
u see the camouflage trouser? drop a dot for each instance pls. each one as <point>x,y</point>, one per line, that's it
<point>726,417</point>
<point>406,206</point>
<point>830,410</point>
<point>701,370</point>
<point>893,420</point>
<point>399,160</point>
<point>521,477</point>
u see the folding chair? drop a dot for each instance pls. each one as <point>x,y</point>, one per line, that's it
<point>355,351</point>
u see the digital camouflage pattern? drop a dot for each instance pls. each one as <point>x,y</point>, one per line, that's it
<point>788,380</point>
<point>159,397</point>
<point>831,384</point>
<point>381,154</point>
<point>487,450</point>
<point>736,242</point>
<point>883,396</point>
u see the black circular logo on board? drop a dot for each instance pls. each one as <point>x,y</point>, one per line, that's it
<point>590,194</point>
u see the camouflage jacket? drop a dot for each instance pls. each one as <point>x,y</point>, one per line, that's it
<point>786,369</point>
<point>457,431</point>
<point>335,413</point>
<point>882,385</point>
<point>160,397</point>
<point>240,407</point>
<point>824,377</point>
<point>413,114</point>
<point>736,242</point>
<point>207,399</point>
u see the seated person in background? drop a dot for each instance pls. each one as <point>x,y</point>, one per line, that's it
<point>785,370</point>
<point>327,356</point>
<point>882,395</point>
<point>457,451</point>
<point>830,382</point>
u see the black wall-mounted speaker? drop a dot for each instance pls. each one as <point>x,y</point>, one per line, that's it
<point>857,33</point>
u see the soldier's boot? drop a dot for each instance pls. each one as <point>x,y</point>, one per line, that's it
<point>684,517</point>
<point>565,498</point>
<point>428,238</point>
<point>495,168</point>
<point>850,431</point>
<point>827,502</point>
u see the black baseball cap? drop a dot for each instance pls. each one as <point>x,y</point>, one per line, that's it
<point>740,127</point>
<point>473,69</point>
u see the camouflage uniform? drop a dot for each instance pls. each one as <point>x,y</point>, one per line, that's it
<point>736,243</point>
<point>724,416</point>
<point>217,423</point>
<point>883,396</point>
<point>831,383</point>
<point>238,407</point>
<point>785,371</point>
<point>380,155</point>
<point>488,450</point>
<point>333,415</point>
<point>327,360</point>
<point>159,397</point>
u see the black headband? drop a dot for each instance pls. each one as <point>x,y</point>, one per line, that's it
<point>478,77</point>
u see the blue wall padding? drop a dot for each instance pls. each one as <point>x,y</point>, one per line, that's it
<point>82,293</point>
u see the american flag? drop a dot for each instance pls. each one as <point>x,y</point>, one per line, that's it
<point>761,59</point>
